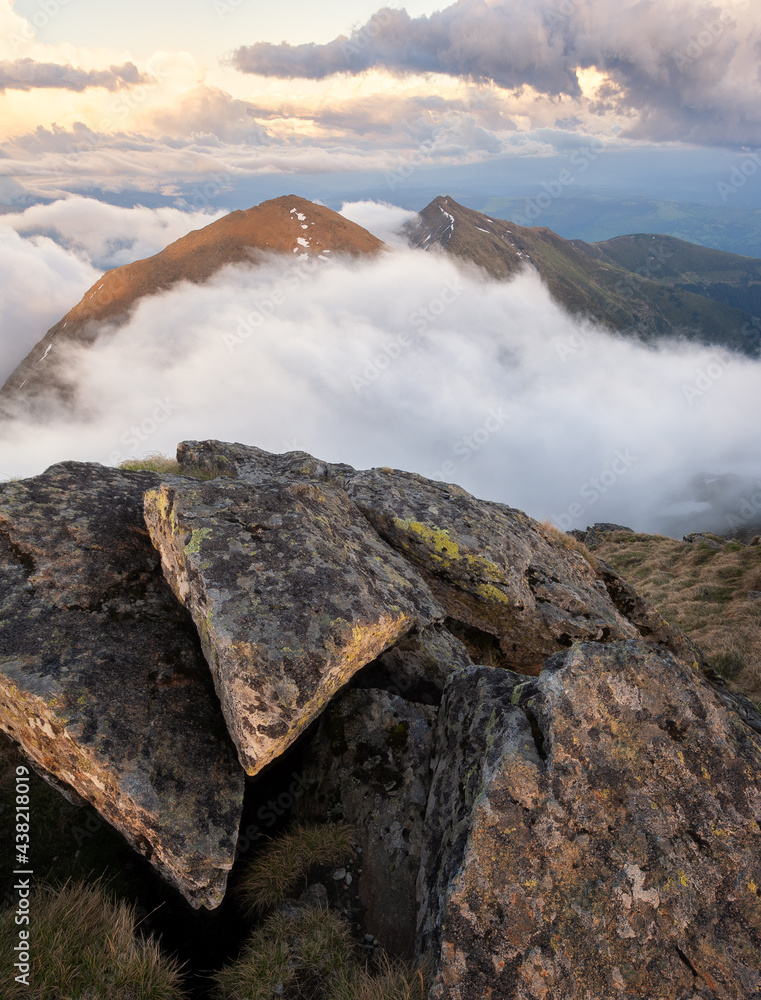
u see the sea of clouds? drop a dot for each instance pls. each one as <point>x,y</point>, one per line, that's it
<point>407,360</point>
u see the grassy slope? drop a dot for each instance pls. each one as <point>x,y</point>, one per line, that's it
<point>678,260</point>
<point>593,217</point>
<point>591,280</point>
<point>704,592</point>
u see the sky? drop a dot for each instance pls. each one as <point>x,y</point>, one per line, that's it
<point>123,126</point>
<point>214,101</point>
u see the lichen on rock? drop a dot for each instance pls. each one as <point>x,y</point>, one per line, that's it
<point>595,831</point>
<point>102,679</point>
<point>292,593</point>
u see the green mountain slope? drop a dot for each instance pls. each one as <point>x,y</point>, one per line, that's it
<point>725,277</point>
<point>636,285</point>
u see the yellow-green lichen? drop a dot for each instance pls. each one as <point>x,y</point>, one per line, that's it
<point>491,593</point>
<point>194,545</point>
<point>446,550</point>
<point>437,539</point>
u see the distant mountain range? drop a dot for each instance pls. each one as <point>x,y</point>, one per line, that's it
<point>733,226</point>
<point>644,285</point>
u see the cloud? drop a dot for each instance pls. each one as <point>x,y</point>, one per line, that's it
<point>683,69</point>
<point>41,282</point>
<point>26,74</point>
<point>409,362</point>
<point>383,220</point>
<point>209,111</point>
<point>471,38</point>
<point>49,162</point>
<point>105,235</point>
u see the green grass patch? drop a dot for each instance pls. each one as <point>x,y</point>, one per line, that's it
<point>164,465</point>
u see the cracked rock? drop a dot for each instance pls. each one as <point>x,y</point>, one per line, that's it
<point>593,832</point>
<point>292,593</point>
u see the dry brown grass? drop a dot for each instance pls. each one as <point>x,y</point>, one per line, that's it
<point>704,592</point>
<point>311,956</point>
<point>285,863</point>
<point>551,531</point>
<point>83,945</point>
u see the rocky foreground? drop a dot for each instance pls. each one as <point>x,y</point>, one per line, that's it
<point>554,796</point>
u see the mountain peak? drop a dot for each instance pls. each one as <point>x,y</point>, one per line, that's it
<point>289,225</point>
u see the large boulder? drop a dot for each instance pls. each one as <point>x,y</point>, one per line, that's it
<point>592,833</point>
<point>291,590</point>
<point>511,590</point>
<point>369,766</point>
<point>498,573</point>
<point>102,678</point>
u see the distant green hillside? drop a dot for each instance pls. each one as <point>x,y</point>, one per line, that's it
<point>595,217</point>
<point>727,278</point>
<point>651,286</point>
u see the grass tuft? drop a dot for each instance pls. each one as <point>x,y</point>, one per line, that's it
<point>311,955</point>
<point>84,945</point>
<point>550,530</point>
<point>164,465</point>
<point>393,981</point>
<point>287,861</point>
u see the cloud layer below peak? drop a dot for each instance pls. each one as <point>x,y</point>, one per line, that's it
<point>411,362</point>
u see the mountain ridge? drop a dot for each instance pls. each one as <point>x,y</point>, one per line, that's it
<point>280,225</point>
<point>593,279</point>
<point>640,284</point>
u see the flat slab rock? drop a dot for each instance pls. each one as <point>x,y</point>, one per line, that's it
<point>508,585</point>
<point>593,833</point>
<point>102,678</point>
<point>292,592</point>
